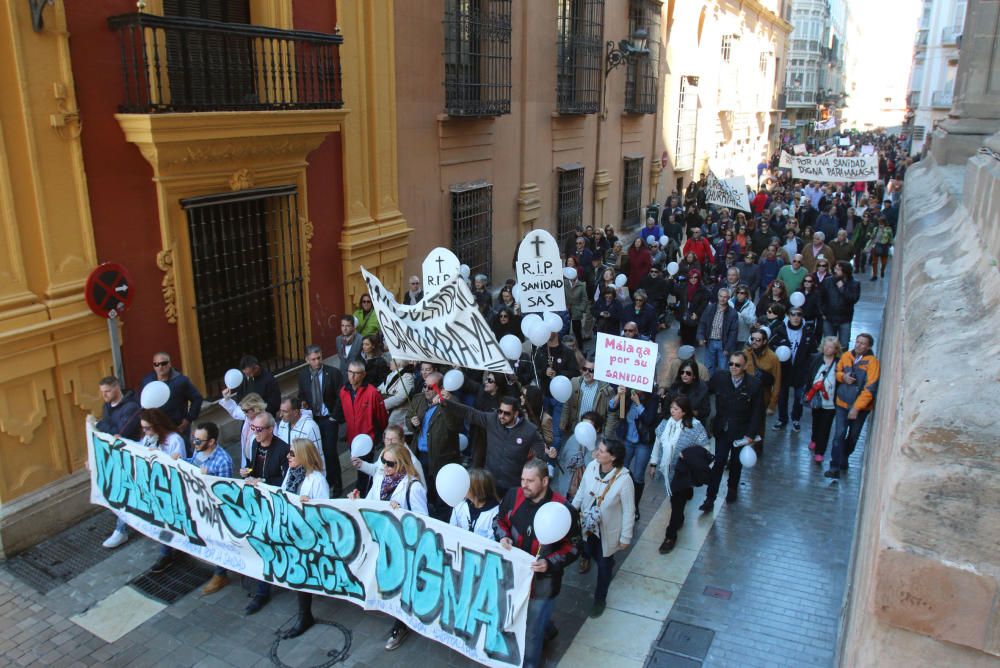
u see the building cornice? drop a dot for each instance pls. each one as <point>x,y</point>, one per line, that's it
<point>767,15</point>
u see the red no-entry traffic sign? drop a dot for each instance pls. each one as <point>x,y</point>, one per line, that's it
<point>109,290</point>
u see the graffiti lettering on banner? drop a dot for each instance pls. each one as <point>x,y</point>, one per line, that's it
<point>440,266</point>
<point>731,193</point>
<point>628,362</point>
<point>450,585</point>
<point>539,274</point>
<point>446,327</point>
<point>834,169</point>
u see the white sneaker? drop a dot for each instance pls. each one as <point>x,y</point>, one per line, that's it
<point>115,539</point>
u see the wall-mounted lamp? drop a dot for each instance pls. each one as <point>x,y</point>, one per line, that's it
<point>636,46</point>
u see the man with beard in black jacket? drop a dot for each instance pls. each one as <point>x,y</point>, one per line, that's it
<point>802,341</point>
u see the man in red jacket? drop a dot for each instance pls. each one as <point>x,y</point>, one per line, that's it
<point>699,246</point>
<point>363,411</point>
<point>515,528</point>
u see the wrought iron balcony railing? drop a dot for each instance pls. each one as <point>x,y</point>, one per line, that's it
<point>173,64</point>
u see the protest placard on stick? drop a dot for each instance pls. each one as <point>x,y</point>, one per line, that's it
<point>539,274</point>
<point>622,361</point>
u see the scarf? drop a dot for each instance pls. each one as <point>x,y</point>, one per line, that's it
<point>389,485</point>
<point>295,478</point>
<point>691,288</point>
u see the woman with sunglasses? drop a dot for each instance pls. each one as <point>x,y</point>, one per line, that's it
<point>305,479</point>
<point>608,312</point>
<point>367,321</point>
<point>680,431</point>
<point>692,388</point>
<point>395,480</point>
<point>504,322</point>
<point>811,311</point>
<point>776,293</point>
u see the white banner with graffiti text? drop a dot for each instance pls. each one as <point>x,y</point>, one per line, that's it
<point>731,193</point>
<point>445,327</point>
<point>836,170</point>
<point>450,585</point>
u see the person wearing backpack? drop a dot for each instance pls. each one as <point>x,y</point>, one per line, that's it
<point>606,501</point>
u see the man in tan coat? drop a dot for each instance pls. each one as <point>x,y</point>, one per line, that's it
<point>812,251</point>
<point>588,395</point>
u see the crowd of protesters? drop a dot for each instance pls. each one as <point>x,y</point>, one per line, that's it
<point>766,295</point>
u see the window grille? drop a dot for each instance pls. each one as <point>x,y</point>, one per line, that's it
<point>569,206</point>
<point>477,57</point>
<point>580,29</point>
<point>632,192</point>
<point>247,265</point>
<point>642,76</point>
<point>918,132</point>
<point>687,124</point>
<point>727,48</point>
<point>472,225</point>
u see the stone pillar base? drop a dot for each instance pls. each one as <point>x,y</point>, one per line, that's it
<point>43,513</point>
<point>957,139</point>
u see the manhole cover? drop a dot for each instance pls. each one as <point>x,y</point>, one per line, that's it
<point>716,592</point>
<point>183,576</point>
<point>63,557</point>
<point>685,639</point>
<point>661,659</point>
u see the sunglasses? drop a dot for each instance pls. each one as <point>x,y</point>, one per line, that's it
<point>686,373</point>
<point>255,429</point>
<point>490,381</point>
<point>161,363</point>
<point>291,454</point>
<point>198,441</point>
<point>795,314</point>
<point>388,463</point>
<point>501,411</point>
<point>734,365</point>
<point>588,369</point>
<point>822,265</point>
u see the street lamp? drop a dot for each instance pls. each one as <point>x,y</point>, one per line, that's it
<point>626,49</point>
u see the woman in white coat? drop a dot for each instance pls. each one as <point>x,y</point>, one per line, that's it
<point>680,431</point>
<point>606,501</point>
<point>479,510</point>
<point>249,407</point>
<point>395,480</point>
<point>395,390</point>
<point>305,479</point>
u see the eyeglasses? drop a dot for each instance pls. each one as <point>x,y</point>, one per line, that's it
<point>687,372</point>
<point>588,369</point>
<point>161,363</point>
<point>291,454</point>
<point>796,261</point>
<point>255,429</point>
<point>501,411</point>
<point>822,264</point>
<point>504,316</point>
<point>490,381</point>
<point>742,292</point>
<point>734,365</point>
<point>351,372</point>
<point>198,441</point>
<point>388,463</point>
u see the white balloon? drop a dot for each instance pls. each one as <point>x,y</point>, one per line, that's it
<point>539,334</point>
<point>156,394</point>
<point>673,268</point>
<point>453,380</point>
<point>585,435</point>
<point>650,240</point>
<point>747,457</point>
<point>797,299</point>
<point>784,353</point>
<point>552,322</point>
<point>664,240</point>
<point>233,378</point>
<point>361,445</point>
<point>570,273</point>
<point>511,347</point>
<point>529,322</point>
<point>464,271</point>
<point>561,388</point>
<point>452,484</point>
<point>463,443</point>
<point>515,292</point>
<point>552,523</point>
<point>620,281</point>
<point>685,352</point>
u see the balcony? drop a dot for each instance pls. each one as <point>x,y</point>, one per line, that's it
<point>950,36</point>
<point>921,40</point>
<point>173,64</point>
<point>941,99</point>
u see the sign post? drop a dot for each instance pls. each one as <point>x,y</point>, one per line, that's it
<point>108,293</point>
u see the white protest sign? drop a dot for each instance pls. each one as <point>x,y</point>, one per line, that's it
<point>445,327</point>
<point>867,149</point>
<point>539,274</point>
<point>785,161</point>
<point>730,193</point>
<point>845,141</point>
<point>828,124</point>
<point>832,151</point>
<point>450,585</point>
<point>836,170</point>
<point>799,149</point>
<point>439,267</point>
<point>628,362</point>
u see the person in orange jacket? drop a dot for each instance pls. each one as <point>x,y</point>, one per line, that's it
<point>857,384</point>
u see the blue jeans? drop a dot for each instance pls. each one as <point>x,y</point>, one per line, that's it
<point>637,459</point>
<point>797,394</point>
<point>845,437</point>
<point>539,615</point>
<point>841,331</point>
<point>555,409</point>
<point>120,525</point>
<point>592,550</point>
<point>715,357</point>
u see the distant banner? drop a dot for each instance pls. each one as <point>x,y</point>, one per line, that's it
<point>828,124</point>
<point>539,274</point>
<point>450,585</point>
<point>837,170</point>
<point>868,149</point>
<point>785,161</point>
<point>799,149</point>
<point>446,327</point>
<point>628,362</point>
<point>730,193</point>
